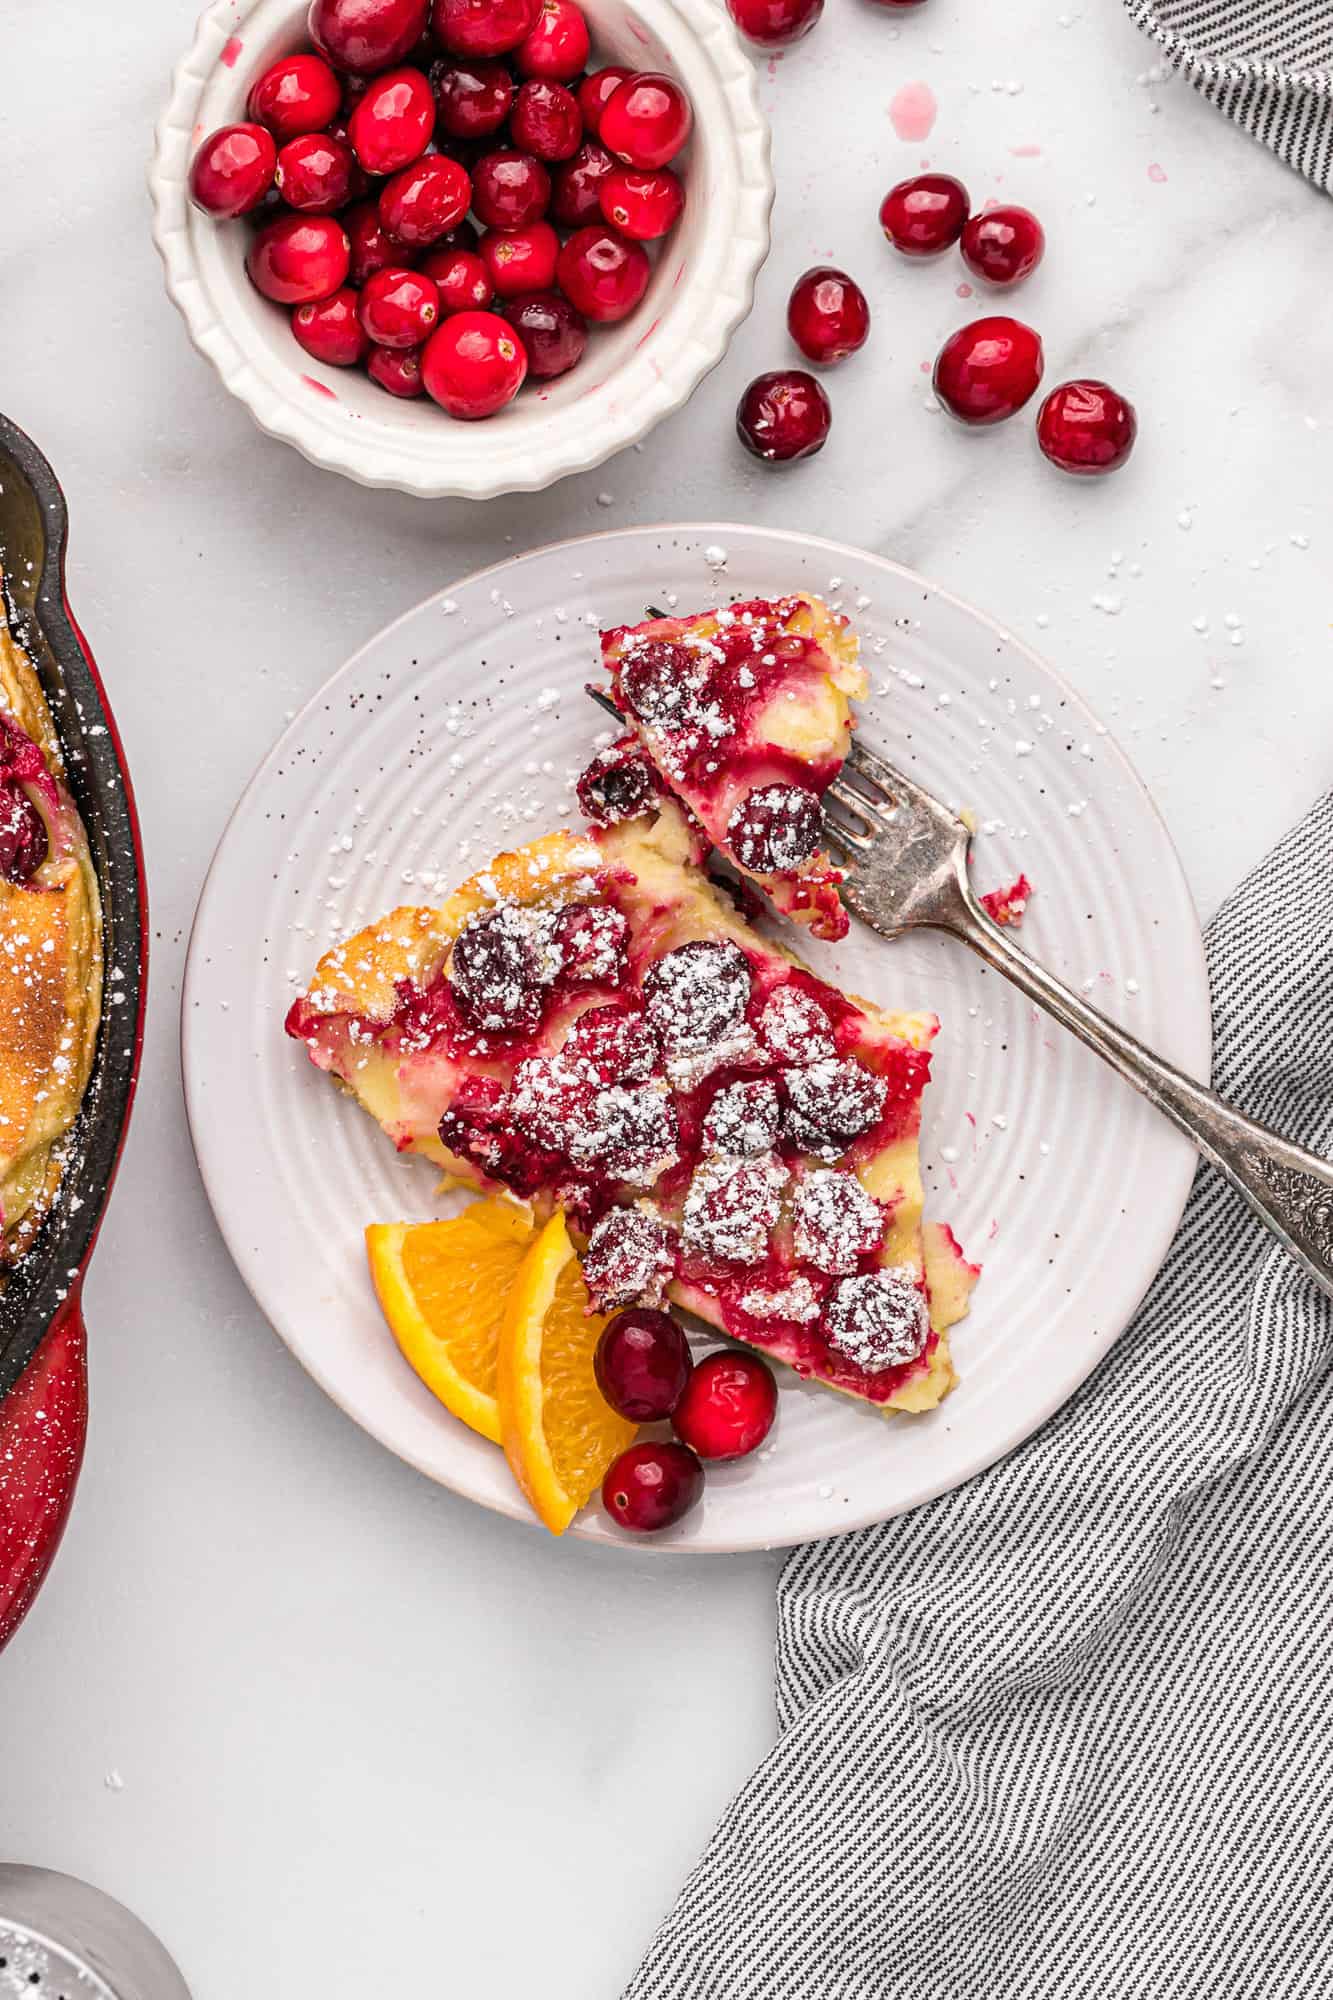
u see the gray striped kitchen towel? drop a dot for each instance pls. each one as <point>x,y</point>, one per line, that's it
<point>1067,1733</point>
<point>1267,63</point>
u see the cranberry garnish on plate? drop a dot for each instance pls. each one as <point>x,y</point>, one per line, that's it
<point>233,170</point>
<point>641,202</point>
<point>924,215</point>
<point>775,24</point>
<point>425,201</point>
<point>602,274</point>
<point>775,827</point>
<point>314,173</point>
<point>784,415</point>
<point>555,336</point>
<point>330,331</point>
<point>727,1407</point>
<point>987,370</point>
<point>399,308</point>
<point>394,122</point>
<point>546,120</point>
<point>298,94</point>
<point>1086,428</point>
<point>557,47</point>
<point>460,277</point>
<point>509,189</point>
<point>576,186</point>
<point>646,121</point>
<point>473,365</point>
<point>24,844</point>
<point>827,314</point>
<point>473,98</point>
<point>521,260</point>
<point>595,92</point>
<point>366,35</point>
<point>483,27</point>
<point>398,370</point>
<point>642,1364</point>
<point>652,1485</point>
<point>299,258</point>
<point>1003,246</point>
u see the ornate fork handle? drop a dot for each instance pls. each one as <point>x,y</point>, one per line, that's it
<point>1290,1190</point>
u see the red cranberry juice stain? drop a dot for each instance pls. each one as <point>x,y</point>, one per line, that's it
<point>231,54</point>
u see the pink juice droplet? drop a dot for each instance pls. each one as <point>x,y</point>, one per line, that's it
<point>1156,173</point>
<point>231,55</point>
<point>1026,152</point>
<point>912,112</point>
<point>320,388</point>
<point>965,291</point>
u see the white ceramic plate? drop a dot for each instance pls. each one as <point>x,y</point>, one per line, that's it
<point>458,732</point>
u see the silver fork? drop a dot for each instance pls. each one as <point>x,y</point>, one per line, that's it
<point>905,857</point>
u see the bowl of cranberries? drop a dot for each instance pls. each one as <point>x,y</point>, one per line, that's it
<point>462,246</point>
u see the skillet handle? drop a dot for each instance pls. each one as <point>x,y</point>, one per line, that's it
<point>43,1423</point>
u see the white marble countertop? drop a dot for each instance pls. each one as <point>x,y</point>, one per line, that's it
<point>327,1728</point>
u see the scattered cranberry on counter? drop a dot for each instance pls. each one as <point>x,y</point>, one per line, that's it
<point>642,1364</point>
<point>396,370</point>
<point>652,1485</point>
<point>594,93</point>
<point>399,308</point>
<point>299,94</point>
<point>1086,428</point>
<point>472,99</point>
<point>425,201</point>
<point>646,120</point>
<point>576,186</point>
<point>233,170</point>
<point>546,120</point>
<point>483,27</point>
<point>474,364</point>
<point>783,415</point>
<point>1003,246</point>
<point>827,314</point>
<point>461,278</point>
<point>775,24</point>
<point>315,173</point>
<point>642,202</point>
<point>557,46</point>
<point>988,369</point>
<point>362,36</point>
<point>330,331</point>
<point>924,215</point>
<point>603,275</point>
<point>520,260</point>
<point>553,333</point>
<point>727,1407</point>
<point>299,258</point>
<point>394,121</point>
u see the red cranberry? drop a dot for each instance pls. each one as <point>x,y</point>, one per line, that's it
<point>521,260</point>
<point>576,187</point>
<point>426,200</point>
<point>509,190</point>
<point>474,365</point>
<point>924,215</point>
<point>827,314</point>
<point>483,27</point>
<point>315,173</point>
<point>641,202</point>
<point>728,1406</point>
<point>775,827</point>
<point>460,277</point>
<point>298,94</point>
<point>697,993</point>
<point>394,122</point>
<point>987,370</point>
<point>642,1364</point>
<point>1086,427</point>
<point>398,370</point>
<point>784,415</point>
<point>366,35</point>
<point>652,1485</point>
<point>774,24</point>
<point>555,337</point>
<point>233,170</point>
<point>646,121</point>
<point>1003,245</point>
<point>594,93</point>
<point>372,247</point>
<point>603,275</point>
<point>299,258</point>
<point>399,308</point>
<point>830,1105</point>
<point>473,98</point>
<point>24,844</point>
<point>330,330</point>
<point>546,120</point>
<point>557,47</point>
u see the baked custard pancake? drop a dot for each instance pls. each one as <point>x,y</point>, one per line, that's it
<point>50,954</point>
<point>590,1024</point>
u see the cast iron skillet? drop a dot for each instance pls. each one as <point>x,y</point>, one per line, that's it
<point>43,1379</point>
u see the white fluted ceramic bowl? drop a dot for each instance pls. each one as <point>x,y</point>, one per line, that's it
<point>631,376</point>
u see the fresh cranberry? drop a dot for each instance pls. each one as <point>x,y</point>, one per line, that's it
<point>462,280</point>
<point>924,215</point>
<point>728,1406</point>
<point>642,202</point>
<point>1086,427</point>
<point>557,47</point>
<point>474,365</point>
<point>642,1364</point>
<point>315,173</point>
<point>987,370</point>
<point>372,247</point>
<point>299,258</point>
<point>24,844</point>
<point>775,827</point>
<point>426,200</point>
<point>298,94</point>
<point>652,1485</point>
<point>329,330</point>
<point>595,92</point>
<point>1003,245</point>
<point>233,170</point>
<point>509,189</point>
<point>363,36</point>
<point>399,308</point>
<point>827,314</point>
<point>521,260</point>
<point>576,186</point>
<point>398,370</point>
<point>473,98</point>
<point>546,120</point>
<point>784,415</point>
<point>646,121</point>
<point>483,27</point>
<point>603,275</point>
<point>774,24</point>
<point>394,122</point>
<point>554,336</point>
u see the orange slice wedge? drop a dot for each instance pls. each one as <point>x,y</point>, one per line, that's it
<point>558,1432</point>
<point>443,1287</point>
